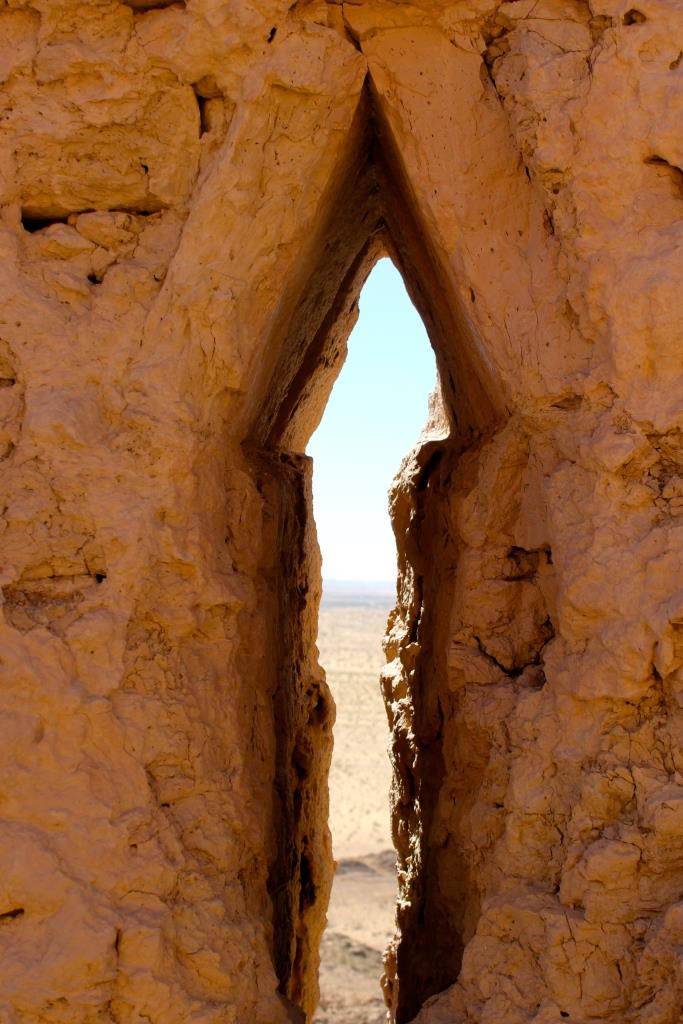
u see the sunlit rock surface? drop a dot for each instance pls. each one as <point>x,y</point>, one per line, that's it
<point>192,195</point>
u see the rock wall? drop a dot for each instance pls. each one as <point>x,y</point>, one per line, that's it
<point>192,195</point>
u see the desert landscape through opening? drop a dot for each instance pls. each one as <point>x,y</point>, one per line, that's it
<point>376,413</point>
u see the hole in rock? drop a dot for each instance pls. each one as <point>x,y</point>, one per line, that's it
<point>32,223</point>
<point>369,212</point>
<point>633,17</point>
<point>142,6</point>
<point>209,101</point>
<point>373,419</point>
<point>204,125</point>
<point>669,171</point>
<point>11,915</point>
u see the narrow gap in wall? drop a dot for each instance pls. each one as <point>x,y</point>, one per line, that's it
<point>374,417</point>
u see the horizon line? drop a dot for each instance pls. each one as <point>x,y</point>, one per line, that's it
<point>365,582</point>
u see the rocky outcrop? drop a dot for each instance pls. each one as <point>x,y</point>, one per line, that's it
<point>192,195</point>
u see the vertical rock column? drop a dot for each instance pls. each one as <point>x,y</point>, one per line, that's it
<point>141,767</point>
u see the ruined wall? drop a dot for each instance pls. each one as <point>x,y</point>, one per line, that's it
<point>191,196</point>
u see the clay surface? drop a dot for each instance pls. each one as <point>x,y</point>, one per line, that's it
<point>191,196</point>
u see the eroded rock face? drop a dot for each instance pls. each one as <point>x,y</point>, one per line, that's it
<point>192,195</point>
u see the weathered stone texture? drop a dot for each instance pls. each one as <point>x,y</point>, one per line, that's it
<point>191,197</point>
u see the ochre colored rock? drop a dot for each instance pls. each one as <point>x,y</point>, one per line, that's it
<point>192,196</point>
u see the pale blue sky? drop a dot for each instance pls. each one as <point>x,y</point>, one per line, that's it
<point>373,418</point>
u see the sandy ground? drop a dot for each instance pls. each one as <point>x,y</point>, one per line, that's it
<point>361,914</point>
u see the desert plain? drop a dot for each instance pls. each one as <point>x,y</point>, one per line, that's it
<point>361,913</point>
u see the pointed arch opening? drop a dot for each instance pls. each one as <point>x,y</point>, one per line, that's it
<point>372,214</point>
